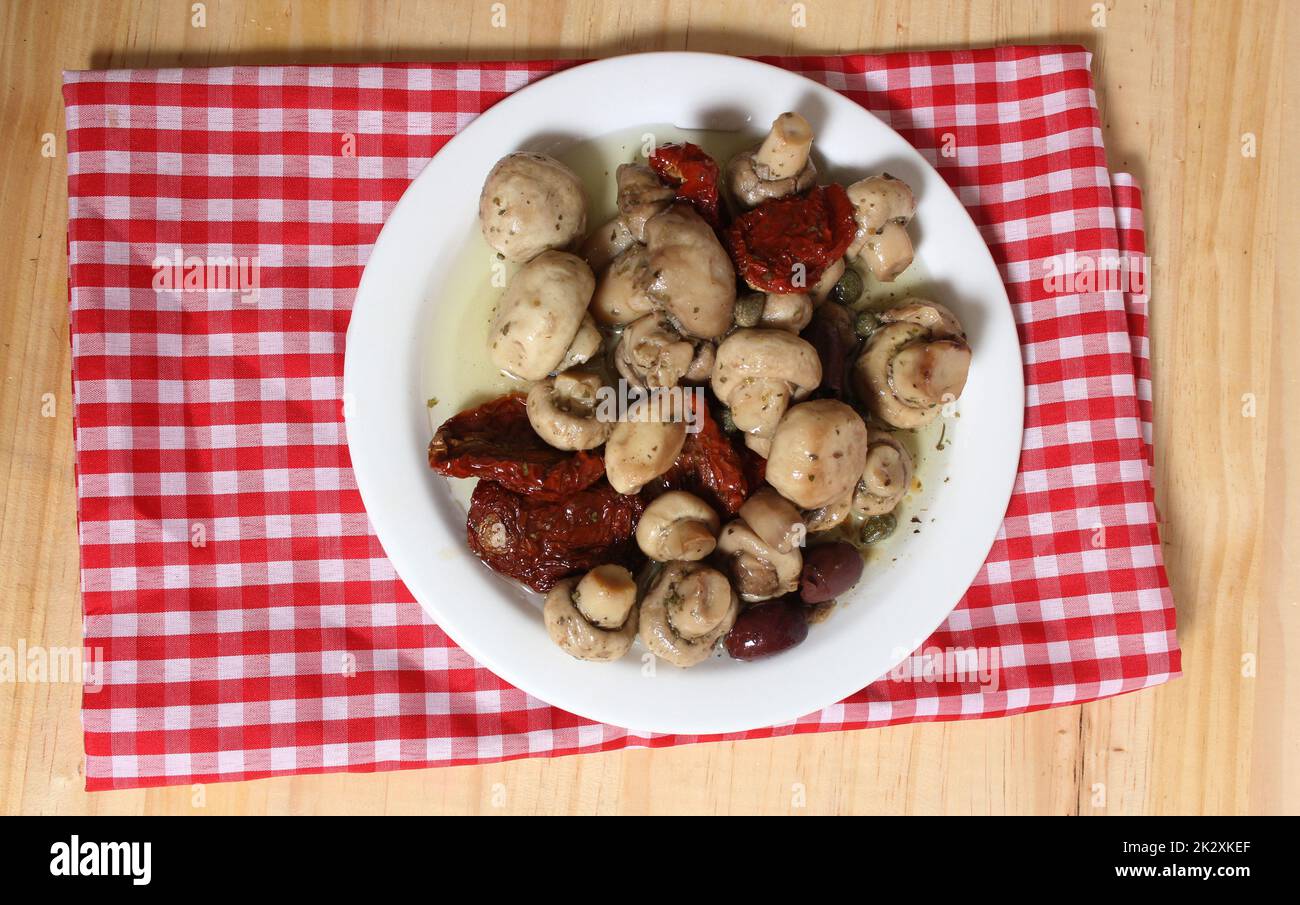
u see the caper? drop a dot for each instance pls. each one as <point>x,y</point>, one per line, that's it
<point>849,288</point>
<point>728,423</point>
<point>749,309</point>
<point>877,528</point>
<point>865,323</point>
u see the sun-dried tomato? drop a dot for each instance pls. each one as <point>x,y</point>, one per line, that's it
<point>708,466</point>
<point>496,442</point>
<point>538,542</point>
<point>693,173</point>
<point>770,243</point>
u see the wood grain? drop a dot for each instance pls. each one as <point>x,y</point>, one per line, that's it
<point>1179,84</point>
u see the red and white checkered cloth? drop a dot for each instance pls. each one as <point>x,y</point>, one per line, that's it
<point>228,567</point>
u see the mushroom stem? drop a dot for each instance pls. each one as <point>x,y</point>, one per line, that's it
<point>785,149</point>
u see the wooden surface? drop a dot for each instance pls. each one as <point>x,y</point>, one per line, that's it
<point>1178,85</point>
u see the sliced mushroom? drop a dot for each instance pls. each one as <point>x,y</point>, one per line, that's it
<point>780,166</point>
<point>607,242</point>
<point>593,618</point>
<point>677,525</point>
<point>687,610</point>
<point>562,410</point>
<point>758,570</point>
<point>758,372</point>
<point>882,207</point>
<point>540,315</point>
<point>640,196</point>
<point>531,202</point>
<point>817,453</point>
<point>650,353</point>
<point>623,291</point>
<point>694,280</point>
<point>885,478</point>
<point>774,519</point>
<point>786,311</point>
<point>643,447</point>
<point>914,363</point>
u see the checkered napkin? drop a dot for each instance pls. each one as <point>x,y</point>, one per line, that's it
<point>246,619</point>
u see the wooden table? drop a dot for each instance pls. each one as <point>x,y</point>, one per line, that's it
<point>1182,88</point>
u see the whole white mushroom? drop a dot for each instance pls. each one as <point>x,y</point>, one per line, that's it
<point>757,373</point>
<point>593,618</point>
<point>529,203</point>
<point>916,361</point>
<point>882,208</point>
<point>817,453</point>
<point>541,322</point>
<point>677,525</point>
<point>780,166</point>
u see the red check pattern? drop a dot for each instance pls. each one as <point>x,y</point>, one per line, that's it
<point>248,621</point>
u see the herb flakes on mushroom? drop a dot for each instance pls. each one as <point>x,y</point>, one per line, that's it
<point>688,608</point>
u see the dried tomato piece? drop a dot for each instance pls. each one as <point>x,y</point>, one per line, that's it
<point>495,441</point>
<point>769,243</point>
<point>708,466</point>
<point>693,173</point>
<point>538,542</point>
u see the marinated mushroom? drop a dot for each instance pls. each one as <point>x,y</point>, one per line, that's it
<point>623,291</point>
<point>540,315</point>
<point>642,448</point>
<point>941,322</point>
<point>886,476</point>
<point>774,519</point>
<point>562,410</point>
<point>593,618</point>
<point>914,363</point>
<point>757,373</point>
<point>817,453</point>
<point>758,570</point>
<point>531,202</point>
<point>640,196</point>
<point>702,364</point>
<point>780,166</point>
<point>585,345</point>
<point>677,525</point>
<point>688,608</point>
<point>786,311</point>
<point>821,290</point>
<point>606,242</point>
<point>650,353</point>
<point>882,207</point>
<point>832,515</point>
<point>693,278</point>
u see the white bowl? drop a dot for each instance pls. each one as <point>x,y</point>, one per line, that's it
<point>901,599</point>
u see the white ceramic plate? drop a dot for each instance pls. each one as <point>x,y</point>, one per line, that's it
<point>898,603</point>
